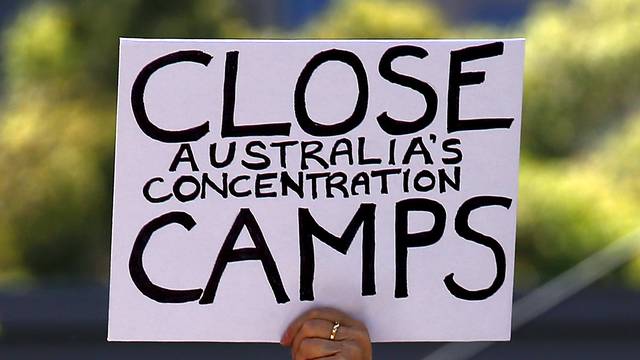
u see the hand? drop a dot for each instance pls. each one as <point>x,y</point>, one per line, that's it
<point>309,337</point>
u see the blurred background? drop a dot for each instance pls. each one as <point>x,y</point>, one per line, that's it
<point>579,180</point>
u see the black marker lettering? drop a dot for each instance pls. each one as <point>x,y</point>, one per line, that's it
<point>337,180</point>
<point>397,127</point>
<point>180,157</point>
<point>424,187</point>
<point>222,190</point>
<point>417,147</point>
<point>213,159</point>
<point>362,157</point>
<point>361,179</point>
<point>300,103</point>
<point>383,175</point>
<point>308,228</point>
<point>405,240</point>
<point>234,182</point>
<point>137,98</point>
<point>147,194</point>
<point>457,79</point>
<point>463,229</point>
<point>265,161</point>
<point>450,146</point>
<point>444,179</point>
<point>282,146</point>
<point>316,147</point>
<point>288,183</point>
<point>346,151</point>
<point>245,219</point>
<point>229,128</point>
<point>136,268</point>
<point>262,185</point>
<point>186,196</point>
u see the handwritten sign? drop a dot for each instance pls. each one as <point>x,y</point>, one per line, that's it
<point>257,179</point>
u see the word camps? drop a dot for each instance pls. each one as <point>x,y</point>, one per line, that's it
<point>309,228</point>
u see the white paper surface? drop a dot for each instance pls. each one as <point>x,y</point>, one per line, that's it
<point>186,94</point>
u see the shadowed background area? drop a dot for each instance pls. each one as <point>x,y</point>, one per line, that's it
<point>578,180</point>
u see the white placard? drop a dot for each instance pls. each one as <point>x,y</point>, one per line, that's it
<point>257,179</point>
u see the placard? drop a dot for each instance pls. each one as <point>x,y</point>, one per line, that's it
<point>257,179</point>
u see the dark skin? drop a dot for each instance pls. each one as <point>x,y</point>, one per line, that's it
<point>308,337</point>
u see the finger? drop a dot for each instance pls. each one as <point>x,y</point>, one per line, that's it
<point>322,329</point>
<point>312,348</point>
<point>312,328</point>
<point>316,328</point>
<point>328,314</point>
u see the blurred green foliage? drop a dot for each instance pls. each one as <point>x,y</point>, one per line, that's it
<point>617,157</point>
<point>579,187</point>
<point>567,211</point>
<point>580,81</point>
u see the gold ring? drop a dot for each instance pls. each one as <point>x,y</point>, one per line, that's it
<point>334,330</point>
